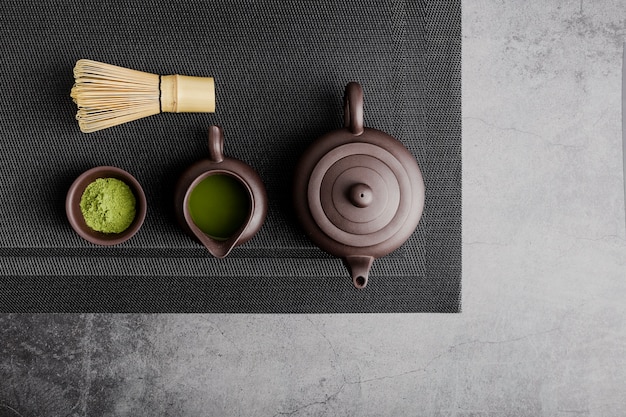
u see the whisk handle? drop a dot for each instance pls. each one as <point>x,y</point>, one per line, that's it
<point>186,94</point>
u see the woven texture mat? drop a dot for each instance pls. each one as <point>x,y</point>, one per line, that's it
<point>280,70</point>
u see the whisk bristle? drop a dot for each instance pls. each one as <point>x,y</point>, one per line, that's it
<point>108,95</point>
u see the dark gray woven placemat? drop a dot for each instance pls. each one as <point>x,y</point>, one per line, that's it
<point>280,71</point>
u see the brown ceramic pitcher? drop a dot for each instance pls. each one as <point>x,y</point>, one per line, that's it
<point>358,192</point>
<point>235,170</point>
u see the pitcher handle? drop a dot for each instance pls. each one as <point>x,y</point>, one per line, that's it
<point>216,143</point>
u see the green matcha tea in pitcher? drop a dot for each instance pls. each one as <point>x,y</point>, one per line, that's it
<point>219,205</point>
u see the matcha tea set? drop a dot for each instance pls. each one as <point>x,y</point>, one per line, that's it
<point>357,192</point>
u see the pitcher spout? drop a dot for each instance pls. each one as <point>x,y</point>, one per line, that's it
<point>219,248</point>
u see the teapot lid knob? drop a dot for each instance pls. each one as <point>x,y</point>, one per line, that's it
<point>361,195</point>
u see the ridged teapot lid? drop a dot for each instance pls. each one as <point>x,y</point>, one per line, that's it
<point>358,191</point>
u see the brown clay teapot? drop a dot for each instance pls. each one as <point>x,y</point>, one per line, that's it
<point>358,192</point>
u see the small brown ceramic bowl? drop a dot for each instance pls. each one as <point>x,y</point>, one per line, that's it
<point>75,216</point>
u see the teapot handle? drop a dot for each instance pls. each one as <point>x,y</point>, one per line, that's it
<point>353,108</point>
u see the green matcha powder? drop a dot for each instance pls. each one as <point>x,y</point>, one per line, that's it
<point>108,205</point>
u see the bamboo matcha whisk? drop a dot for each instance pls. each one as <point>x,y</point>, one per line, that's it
<point>108,95</point>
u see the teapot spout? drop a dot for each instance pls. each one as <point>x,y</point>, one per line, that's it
<point>359,269</point>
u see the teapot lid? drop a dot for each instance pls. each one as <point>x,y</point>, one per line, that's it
<point>364,192</point>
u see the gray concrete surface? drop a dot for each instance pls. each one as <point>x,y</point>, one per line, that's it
<point>542,329</point>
